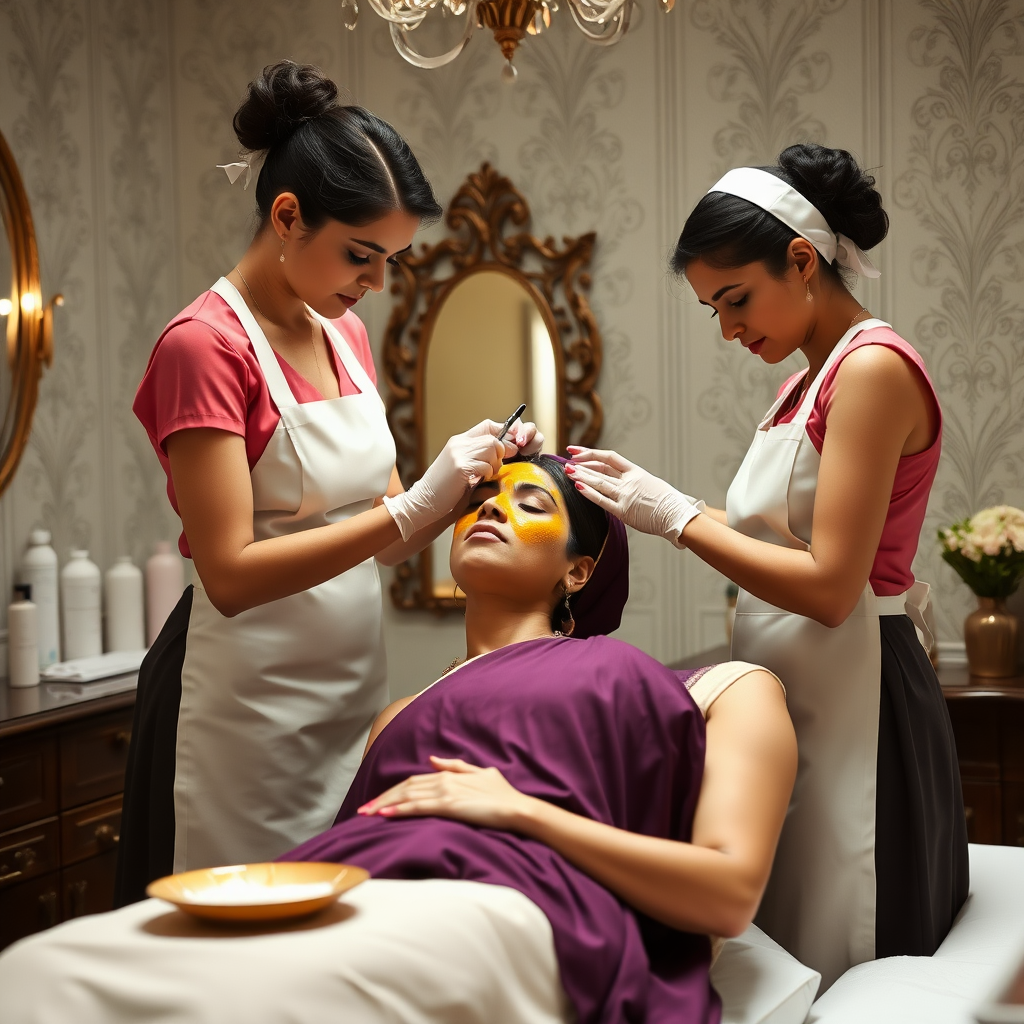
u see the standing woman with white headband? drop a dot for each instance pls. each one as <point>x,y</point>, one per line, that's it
<point>819,531</point>
<point>255,701</point>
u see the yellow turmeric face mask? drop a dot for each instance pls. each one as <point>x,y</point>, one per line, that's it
<point>529,500</point>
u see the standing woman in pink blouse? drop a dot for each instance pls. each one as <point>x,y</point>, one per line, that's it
<point>819,531</point>
<point>260,401</point>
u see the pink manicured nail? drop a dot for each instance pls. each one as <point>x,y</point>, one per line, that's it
<point>579,486</point>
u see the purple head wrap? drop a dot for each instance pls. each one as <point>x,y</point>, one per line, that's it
<point>597,606</point>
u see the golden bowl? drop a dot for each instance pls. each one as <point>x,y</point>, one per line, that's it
<point>257,892</point>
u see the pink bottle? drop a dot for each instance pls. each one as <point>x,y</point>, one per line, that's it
<point>165,581</point>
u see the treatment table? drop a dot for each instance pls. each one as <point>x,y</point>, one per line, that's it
<point>762,984</point>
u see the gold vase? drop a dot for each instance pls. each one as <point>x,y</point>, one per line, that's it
<point>990,636</point>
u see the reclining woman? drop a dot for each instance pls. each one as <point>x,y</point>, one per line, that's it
<point>567,773</point>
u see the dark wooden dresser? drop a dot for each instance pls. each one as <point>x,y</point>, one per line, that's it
<point>988,723</point>
<point>63,748</point>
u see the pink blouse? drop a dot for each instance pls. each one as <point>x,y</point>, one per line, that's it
<point>203,372</point>
<point>891,572</point>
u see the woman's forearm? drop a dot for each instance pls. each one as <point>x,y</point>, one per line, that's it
<point>403,549</point>
<point>785,577</point>
<point>259,572</point>
<point>718,514</point>
<point>692,888</point>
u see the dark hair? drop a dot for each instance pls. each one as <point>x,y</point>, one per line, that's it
<point>588,523</point>
<point>726,231</point>
<point>340,161</point>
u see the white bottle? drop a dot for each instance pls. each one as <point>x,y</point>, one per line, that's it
<point>165,580</point>
<point>39,570</point>
<point>123,607</point>
<point>22,639</point>
<point>80,601</point>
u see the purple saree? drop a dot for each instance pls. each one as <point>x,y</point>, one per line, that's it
<point>594,726</point>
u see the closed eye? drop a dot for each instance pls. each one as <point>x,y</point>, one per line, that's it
<point>361,261</point>
<point>738,302</point>
<point>533,508</point>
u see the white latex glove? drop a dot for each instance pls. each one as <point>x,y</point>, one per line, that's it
<point>630,493</point>
<point>464,461</point>
<point>526,437</point>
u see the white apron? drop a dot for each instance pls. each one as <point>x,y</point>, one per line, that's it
<point>276,702</point>
<point>820,900</point>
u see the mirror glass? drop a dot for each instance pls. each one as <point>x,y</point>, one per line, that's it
<point>489,351</point>
<point>9,334</point>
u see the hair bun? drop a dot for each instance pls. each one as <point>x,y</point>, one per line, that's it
<point>846,197</point>
<point>280,98</point>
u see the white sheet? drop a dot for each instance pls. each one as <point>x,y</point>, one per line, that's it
<point>946,988</point>
<point>417,952</point>
<point>760,983</point>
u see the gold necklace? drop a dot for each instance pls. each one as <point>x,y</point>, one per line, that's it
<point>807,376</point>
<point>312,327</point>
<point>856,316</point>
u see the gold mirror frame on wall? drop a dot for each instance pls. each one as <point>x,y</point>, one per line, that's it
<point>489,221</point>
<point>29,321</point>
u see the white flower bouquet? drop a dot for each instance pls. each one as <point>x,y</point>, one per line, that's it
<point>987,550</point>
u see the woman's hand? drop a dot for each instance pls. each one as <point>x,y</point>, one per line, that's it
<point>526,437</point>
<point>464,461</point>
<point>455,789</point>
<point>638,498</point>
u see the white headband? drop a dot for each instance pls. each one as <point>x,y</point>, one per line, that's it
<point>795,211</point>
<point>234,171</point>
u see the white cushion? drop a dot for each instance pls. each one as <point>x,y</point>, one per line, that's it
<point>948,987</point>
<point>991,922</point>
<point>760,983</point>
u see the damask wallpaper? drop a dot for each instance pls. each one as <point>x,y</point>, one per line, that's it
<point>118,111</point>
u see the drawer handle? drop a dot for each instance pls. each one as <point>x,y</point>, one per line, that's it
<point>76,890</point>
<point>24,858</point>
<point>48,909</point>
<point>120,739</point>
<point>105,836</point>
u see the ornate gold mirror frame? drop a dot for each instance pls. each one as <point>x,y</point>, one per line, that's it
<point>29,321</point>
<point>489,221</point>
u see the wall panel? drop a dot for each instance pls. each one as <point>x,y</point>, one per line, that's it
<point>118,113</point>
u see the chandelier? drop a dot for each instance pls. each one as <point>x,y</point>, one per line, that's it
<point>602,21</point>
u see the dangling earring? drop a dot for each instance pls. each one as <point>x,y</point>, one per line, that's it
<point>568,622</point>
<point>810,297</point>
<point>282,256</point>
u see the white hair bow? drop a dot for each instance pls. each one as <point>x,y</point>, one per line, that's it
<point>234,171</point>
<point>797,212</point>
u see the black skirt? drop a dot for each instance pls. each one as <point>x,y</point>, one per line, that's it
<point>921,866</point>
<point>146,847</point>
